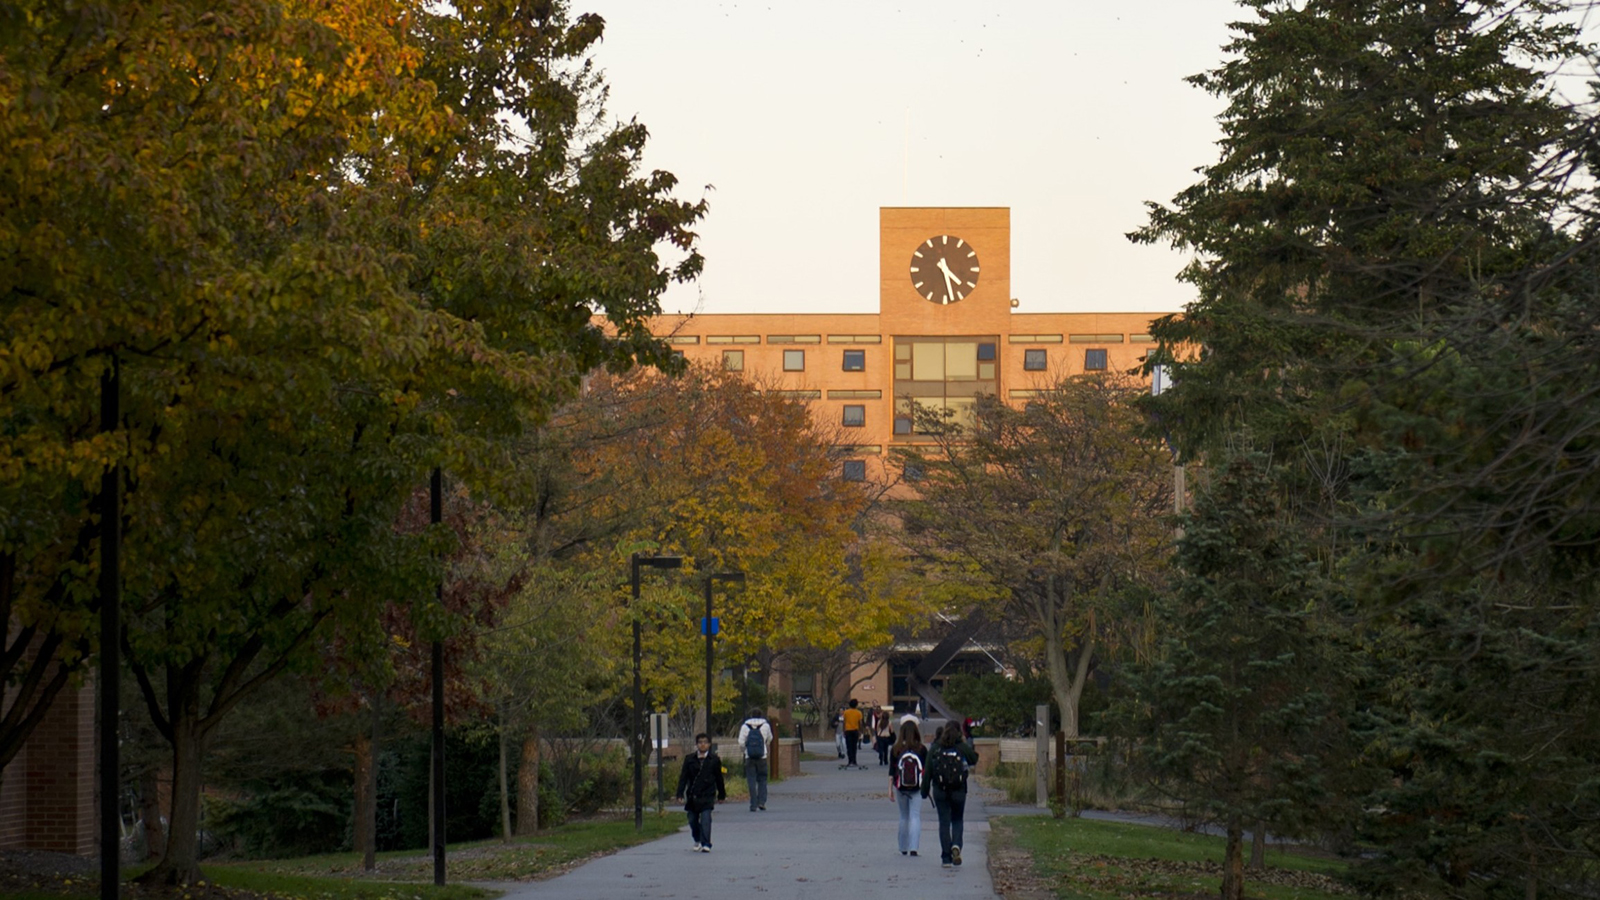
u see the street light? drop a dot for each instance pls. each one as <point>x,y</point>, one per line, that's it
<point>710,629</point>
<point>654,562</point>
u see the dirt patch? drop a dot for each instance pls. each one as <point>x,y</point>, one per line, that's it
<point>1011,869</point>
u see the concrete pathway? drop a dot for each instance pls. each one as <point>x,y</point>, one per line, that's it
<point>824,835</point>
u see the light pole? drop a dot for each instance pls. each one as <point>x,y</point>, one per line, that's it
<point>711,630</point>
<point>655,562</point>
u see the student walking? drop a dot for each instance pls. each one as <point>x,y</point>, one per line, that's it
<point>949,760</point>
<point>700,786</point>
<point>755,739</point>
<point>907,786</point>
<point>883,735</point>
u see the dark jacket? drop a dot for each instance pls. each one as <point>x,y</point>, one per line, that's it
<point>700,782</point>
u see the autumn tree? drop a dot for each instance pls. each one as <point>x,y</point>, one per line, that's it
<point>264,215</point>
<point>1059,505</point>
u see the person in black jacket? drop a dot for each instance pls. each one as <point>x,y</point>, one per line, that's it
<point>700,787</point>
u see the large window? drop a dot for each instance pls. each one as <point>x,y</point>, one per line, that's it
<point>794,360</point>
<point>855,415</point>
<point>1094,360</point>
<point>943,376</point>
<point>1034,360</point>
<point>733,360</point>
<point>855,360</point>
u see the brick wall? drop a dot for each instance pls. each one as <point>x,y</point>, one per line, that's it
<point>47,793</point>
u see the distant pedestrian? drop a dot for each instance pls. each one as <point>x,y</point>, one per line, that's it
<point>949,760</point>
<point>838,732</point>
<point>755,739</point>
<point>700,787</point>
<point>851,723</point>
<point>906,785</point>
<point>883,735</point>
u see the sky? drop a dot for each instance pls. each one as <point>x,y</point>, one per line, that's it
<point>798,120</point>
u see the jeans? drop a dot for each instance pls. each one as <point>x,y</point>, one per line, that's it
<point>883,750</point>
<point>755,778</point>
<point>700,824</point>
<point>910,819</point>
<point>952,808</point>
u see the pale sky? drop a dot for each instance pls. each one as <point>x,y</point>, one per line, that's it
<point>806,117</point>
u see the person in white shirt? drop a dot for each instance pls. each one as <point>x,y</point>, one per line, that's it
<point>755,740</point>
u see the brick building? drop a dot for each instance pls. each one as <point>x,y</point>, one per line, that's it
<point>946,330</point>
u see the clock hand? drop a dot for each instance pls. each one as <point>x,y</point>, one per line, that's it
<point>950,282</point>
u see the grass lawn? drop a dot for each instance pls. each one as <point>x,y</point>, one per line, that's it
<point>401,875</point>
<point>1085,859</point>
<point>523,859</point>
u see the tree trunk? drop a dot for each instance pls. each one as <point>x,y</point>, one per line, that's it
<point>1066,683</point>
<point>155,836</point>
<point>528,784</point>
<point>366,805</point>
<point>1233,861</point>
<point>180,864</point>
<point>1258,847</point>
<point>505,787</point>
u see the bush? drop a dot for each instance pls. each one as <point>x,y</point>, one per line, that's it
<point>293,815</point>
<point>581,779</point>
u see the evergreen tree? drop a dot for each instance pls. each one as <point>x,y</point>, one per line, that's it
<point>1234,714</point>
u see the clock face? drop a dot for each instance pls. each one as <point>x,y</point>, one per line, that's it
<point>944,269</point>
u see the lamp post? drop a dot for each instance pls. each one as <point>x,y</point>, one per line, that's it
<point>655,562</point>
<point>710,629</point>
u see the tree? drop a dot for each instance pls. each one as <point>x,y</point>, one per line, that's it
<point>1394,258</point>
<point>325,266</point>
<point>1059,505</point>
<point>1235,713</point>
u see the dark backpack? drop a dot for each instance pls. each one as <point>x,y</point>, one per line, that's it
<point>910,768</point>
<point>948,771</point>
<point>755,746</point>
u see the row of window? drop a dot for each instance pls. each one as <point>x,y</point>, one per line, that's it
<point>1033,360</point>
<point>1115,338</point>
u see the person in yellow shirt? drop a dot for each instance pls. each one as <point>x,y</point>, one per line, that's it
<point>852,730</point>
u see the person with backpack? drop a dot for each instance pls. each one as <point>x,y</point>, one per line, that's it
<point>949,760</point>
<point>700,786</point>
<point>755,737</point>
<point>907,786</point>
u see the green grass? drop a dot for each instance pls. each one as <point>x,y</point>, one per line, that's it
<point>1084,859</point>
<point>521,860</point>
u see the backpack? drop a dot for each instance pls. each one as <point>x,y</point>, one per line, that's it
<point>948,771</point>
<point>910,769</point>
<point>755,746</point>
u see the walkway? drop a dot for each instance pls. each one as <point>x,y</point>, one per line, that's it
<point>827,834</point>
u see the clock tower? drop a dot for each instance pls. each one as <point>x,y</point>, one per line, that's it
<point>944,307</point>
<point>944,270</point>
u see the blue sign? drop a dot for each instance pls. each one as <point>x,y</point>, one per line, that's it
<point>715,625</point>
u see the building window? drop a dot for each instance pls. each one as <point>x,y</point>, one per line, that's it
<point>1034,360</point>
<point>985,352</point>
<point>855,360</point>
<point>855,470</point>
<point>902,424</point>
<point>733,360</point>
<point>855,415</point>
<point>1094,360</point>
<point>913,472</point>
<point>794,360</point>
